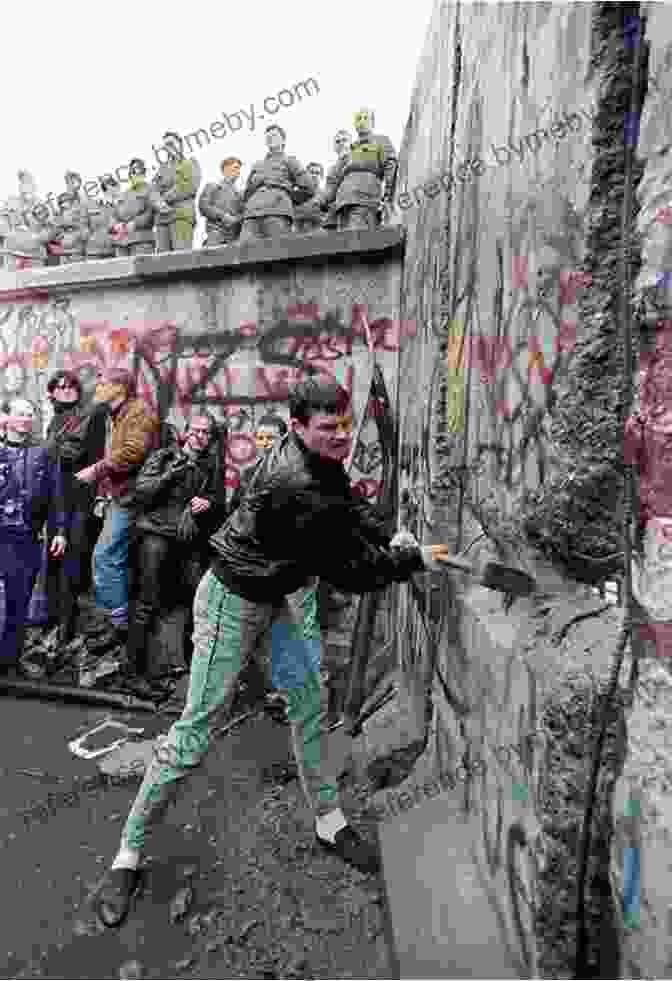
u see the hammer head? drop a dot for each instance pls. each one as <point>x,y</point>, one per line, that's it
<point>507,580</point>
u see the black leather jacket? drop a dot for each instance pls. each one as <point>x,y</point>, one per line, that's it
<point>299,519</point>
<point>167,482</point>
<point>76,439</point>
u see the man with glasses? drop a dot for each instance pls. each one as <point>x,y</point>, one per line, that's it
<point>179,500</point>
<point>300,521</point>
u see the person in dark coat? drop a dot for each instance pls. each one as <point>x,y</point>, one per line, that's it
<point>301,520</point>
<point>274,185</point>
<point>31,494</point>
<point>270,429</point>
<point>75,439</point>
<point>221,205</point>
<point>179,500</point>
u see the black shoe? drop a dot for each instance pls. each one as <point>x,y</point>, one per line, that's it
<point>354,850</point>
<point>120,888</point>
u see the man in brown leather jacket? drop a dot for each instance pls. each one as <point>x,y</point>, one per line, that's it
<point>133,433</point>
<point>221,205</point>
<point>274,186</point>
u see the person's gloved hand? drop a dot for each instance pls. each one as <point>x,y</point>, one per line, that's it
<point>404,539</point>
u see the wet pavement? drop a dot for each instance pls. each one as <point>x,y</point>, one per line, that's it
<point>258,898</point>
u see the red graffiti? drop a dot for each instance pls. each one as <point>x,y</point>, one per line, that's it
<point>520,272</point>
<point>490,354</point>
<point>369,489</point>
<point>570,283</point>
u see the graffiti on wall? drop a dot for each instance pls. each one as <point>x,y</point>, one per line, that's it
<point>521,377</point>
<point>237,375</point>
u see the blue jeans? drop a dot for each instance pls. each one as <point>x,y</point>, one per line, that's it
<point>110,564</point>
<point>19,565</point>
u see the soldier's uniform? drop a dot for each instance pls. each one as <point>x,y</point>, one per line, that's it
<point>308,216</point>
<point>220,202</point>
<point>136,205</point>
<point>100,244</point>
<point>73,232</point>
<point>274,186</point>
<point>360,181</point>
<point>177,183</point>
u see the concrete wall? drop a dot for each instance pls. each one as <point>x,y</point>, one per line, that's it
<point>228,329</point>
<point>497,161</point>
<point>642,845</point>
<point>511,197</point>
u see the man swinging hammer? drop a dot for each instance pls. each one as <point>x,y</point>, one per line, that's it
<point>299,521</point>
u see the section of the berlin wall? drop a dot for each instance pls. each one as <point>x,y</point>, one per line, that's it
<point>642,844</point>
<point>511,407</point>
<point>232,348</point>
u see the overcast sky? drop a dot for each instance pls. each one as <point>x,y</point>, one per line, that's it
<point>88,86</point>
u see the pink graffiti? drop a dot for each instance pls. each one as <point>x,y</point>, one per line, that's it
<point>490,355</point>
<point>24,296</point>
<point>519,277</point>
<point>369,489</point>
<point>661,634</point>
<point>570,284</point>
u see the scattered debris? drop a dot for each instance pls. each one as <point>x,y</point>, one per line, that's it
<point>184,964</point>
<point>131,969</point>
<point>181,903</point>
<point>246,929</point>
<point>131,759</point>
<point>77,746</point>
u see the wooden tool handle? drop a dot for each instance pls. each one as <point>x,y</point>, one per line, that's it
<point>454,563</point>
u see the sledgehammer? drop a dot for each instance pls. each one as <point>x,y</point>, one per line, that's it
<point>504,578</point>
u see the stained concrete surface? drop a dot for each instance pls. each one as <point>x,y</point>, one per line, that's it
<point>267,902</point>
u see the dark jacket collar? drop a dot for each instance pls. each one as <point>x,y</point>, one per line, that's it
<point>319,466</point>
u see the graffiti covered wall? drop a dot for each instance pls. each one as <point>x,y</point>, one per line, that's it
<point>496,163</point>
<point>232,347</point>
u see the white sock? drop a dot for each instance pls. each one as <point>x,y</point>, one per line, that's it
<point>329,824</point>
<point>127,858</point>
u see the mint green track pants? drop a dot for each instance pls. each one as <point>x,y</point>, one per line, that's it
<point>228,630</point>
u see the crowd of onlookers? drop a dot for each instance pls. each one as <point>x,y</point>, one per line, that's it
<point>128,507</point>
<point>160,215</point>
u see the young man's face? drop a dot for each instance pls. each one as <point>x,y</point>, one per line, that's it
<point>265,436</point>
<point>231,171</point>
<point>342,143</point>
<point>275,140</point>
<point>327,434</point>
